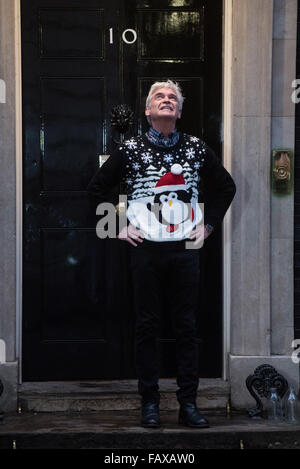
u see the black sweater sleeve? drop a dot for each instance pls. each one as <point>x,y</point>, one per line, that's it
<point>106,179</point>
<point>105,184</point>
<point>219,189</point>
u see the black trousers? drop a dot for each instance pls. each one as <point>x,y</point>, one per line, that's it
<point>154,271</point>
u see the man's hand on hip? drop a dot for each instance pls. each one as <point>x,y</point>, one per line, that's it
<point>199,233</point>
<point>130,233</point>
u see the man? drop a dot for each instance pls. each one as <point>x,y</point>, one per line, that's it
<point>161,171</point>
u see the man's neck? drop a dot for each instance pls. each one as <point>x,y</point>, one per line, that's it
<point>165,128</point>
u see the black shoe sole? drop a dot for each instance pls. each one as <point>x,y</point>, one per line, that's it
<point>183,422</point>
<point>150,425</point>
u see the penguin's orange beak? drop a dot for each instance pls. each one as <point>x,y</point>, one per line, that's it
<point>170,202</point>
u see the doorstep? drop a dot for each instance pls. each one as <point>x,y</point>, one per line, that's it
<point>89,396</point>
<point>117,430</point>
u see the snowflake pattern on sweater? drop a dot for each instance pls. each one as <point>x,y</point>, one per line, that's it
<point>141,176</point>
<point>145,165</point>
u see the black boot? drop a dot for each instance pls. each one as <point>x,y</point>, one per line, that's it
<point>190,416</point>
<point>150,415</point>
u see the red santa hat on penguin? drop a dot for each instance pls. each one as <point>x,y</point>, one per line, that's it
<point>171,181</point>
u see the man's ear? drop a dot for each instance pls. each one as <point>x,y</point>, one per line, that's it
<point>179,114</point>
<point>147,112</point>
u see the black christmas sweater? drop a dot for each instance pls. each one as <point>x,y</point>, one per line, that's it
<point>164,185</point>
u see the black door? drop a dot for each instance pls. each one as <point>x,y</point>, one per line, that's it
<point>80,59</point>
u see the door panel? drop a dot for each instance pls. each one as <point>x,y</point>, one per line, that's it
<point>78,317</point>
<point>72,32</point>
<point>69,131</point>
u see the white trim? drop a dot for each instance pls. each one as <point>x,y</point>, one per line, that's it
<point>227,234</point>
<point>170,187</point>
<point>19,183</point>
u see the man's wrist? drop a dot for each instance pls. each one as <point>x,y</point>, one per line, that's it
<point>209,227</point>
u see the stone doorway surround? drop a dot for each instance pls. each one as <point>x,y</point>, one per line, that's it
<point>262,119</point>
<point>259,61</point>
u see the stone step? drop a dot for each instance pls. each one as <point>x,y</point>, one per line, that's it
<point>89,396</point>
<point>112,431</point>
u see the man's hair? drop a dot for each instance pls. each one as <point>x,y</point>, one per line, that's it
<point>165,84</point>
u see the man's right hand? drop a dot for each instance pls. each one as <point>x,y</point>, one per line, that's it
<point>130,233</point>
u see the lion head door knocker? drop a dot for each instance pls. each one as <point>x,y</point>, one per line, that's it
<point>281,171</point>
<point>260,383</point>
<point>121,118</point>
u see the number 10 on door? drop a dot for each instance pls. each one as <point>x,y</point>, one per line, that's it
<point>127,32</point>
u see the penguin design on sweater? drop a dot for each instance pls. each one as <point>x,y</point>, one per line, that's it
<point>172,200</point>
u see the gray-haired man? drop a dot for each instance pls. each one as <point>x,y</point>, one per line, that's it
<point>161,171</point>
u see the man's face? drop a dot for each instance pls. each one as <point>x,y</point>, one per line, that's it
<point>164,104</point>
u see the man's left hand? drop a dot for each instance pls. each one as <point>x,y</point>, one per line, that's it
<point>199,233</point>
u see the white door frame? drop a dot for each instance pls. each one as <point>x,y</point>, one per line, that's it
<point>227,154</point>
<point>19,184</point>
